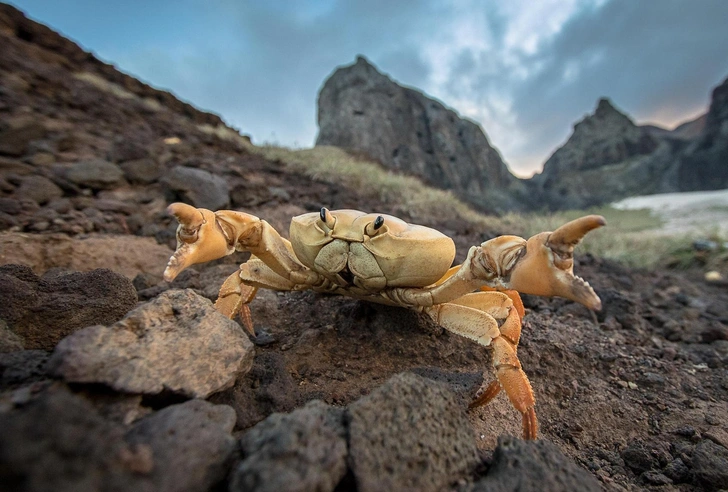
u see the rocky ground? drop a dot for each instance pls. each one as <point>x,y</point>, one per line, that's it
<point>111,379</point>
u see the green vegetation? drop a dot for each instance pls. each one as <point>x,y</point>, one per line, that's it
<point>631,236</point>
<point>334,165</point>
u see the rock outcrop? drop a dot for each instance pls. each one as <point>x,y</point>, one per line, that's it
<point>361,109</point>
<point>606,158</point>
<point>704,162</point>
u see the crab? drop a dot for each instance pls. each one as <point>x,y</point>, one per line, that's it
<point>383,259</point>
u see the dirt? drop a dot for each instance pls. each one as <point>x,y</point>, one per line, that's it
<point>634,394</point>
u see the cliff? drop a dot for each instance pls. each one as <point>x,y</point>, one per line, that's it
<point>362,109</point>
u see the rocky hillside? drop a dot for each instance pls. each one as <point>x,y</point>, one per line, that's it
<point>112,379</point>
<point>704,162</point>
<point>608,157</point>
<point>362,109</point>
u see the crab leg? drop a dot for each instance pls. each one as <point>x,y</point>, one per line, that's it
<point>240,288</point>
<point>472,316</point>
<point>234,297</point>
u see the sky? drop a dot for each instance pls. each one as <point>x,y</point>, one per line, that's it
<point>524,71</point>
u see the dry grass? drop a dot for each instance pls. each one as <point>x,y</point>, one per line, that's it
<point>116,90</point>
<point>334,165</point>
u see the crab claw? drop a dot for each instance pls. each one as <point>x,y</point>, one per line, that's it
<point>199,239</point>
<point>547,267</point>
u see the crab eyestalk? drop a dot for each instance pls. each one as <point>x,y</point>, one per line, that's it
<point>547,266</point>
<point>199,239</point>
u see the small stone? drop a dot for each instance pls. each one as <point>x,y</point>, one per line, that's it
<point>42,159</point>
<point>655,478</point>
<point>143,171</point>
<point>677,471</point>
<point>638,457</point>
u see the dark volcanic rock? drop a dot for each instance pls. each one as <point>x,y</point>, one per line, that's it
<point>22,367</point>
<point>362,109</point>
<point>177,342</point>
<point>703,163</point>
<point>95,174</point>
<point>198,187</point>
<point>190,445</point>
<point>39,189</point>
<point>58,441</point>
<point>409,434</point>
<point>301,451</point>
<point>15,139</point>
<point>142,171</point>
<point>44,310</point>
<point>533,467</point>
<point>710,465</point>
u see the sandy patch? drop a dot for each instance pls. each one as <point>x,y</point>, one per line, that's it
<point>698,212</point>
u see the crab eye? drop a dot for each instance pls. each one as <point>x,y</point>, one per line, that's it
<point>327,218</point>
<point>372,228</point>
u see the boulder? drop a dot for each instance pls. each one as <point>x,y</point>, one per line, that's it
<point>301,451</point>
<point>362,109</point>
<point>22,130</point>
<point>410,434</point>
<point>96,174</point>
<point>533,466</point>
<point>39,189</point>
<point>177,342</point>
<point>142,171</point>
<point>198,187</point>
<point>43,310</point>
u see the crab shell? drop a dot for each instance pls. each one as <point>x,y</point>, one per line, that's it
<point>396,254</point>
